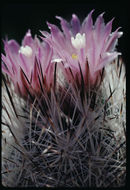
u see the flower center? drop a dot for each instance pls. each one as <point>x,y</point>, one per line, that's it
<point>79,41</point>
<point>74,56</point>
<point>26,50</point>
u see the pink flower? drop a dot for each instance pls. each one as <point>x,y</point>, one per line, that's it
<point>82,44</point>
<point>28,66</point>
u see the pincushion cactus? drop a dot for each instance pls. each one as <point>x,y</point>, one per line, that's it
<point>63,116</point>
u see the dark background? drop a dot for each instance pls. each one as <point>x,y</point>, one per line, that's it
<point>19,16</point>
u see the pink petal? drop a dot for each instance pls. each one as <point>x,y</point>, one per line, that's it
<point>107,32</point>
<point>75,24</point>
<point>35,83</point>
<point>57,35</point>
<point>26,64</point>
<point>87,23</point>
<point>82,58</point>
<point>47,57</point>
<point>57,40</point>
<point>99,27</point>
<point>94,40</point>
<point>65,27</point>
<point>6,61</point>
<point>46,34</point>
<point>11,49</point>
<point>11,46</point>
<point>28,40</point>
<point>6,69</point>
<point>107,58</point>
<point>110,45</point>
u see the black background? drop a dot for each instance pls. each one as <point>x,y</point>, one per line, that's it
<point>19,16</point>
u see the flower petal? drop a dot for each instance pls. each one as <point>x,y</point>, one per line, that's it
<point>107,58</point>
<point>110,45</point>
<point>75,24</point>
<point>87,23</point>
<point>99,27</point>
<point>28,40</point>
<point>11,48</point>
<point>57,35</point>
<point>107,32</point>
<point>65,27</point>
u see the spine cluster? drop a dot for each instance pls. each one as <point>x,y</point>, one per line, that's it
<point>69,137</point>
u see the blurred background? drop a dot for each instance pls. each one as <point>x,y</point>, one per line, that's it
<point>18,17</point>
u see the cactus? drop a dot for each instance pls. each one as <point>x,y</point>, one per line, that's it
<point>71,135</point>
<point>83,146</point>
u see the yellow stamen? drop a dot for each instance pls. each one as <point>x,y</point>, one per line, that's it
<point>74,56</point>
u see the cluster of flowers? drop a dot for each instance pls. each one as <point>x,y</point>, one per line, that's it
<point>76,48</point>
